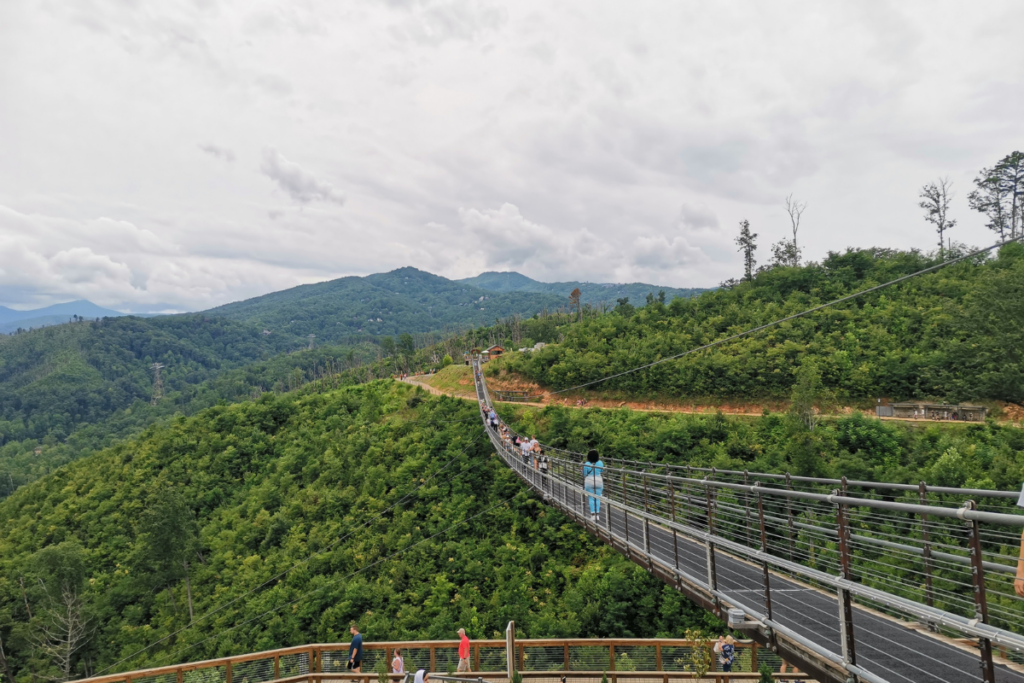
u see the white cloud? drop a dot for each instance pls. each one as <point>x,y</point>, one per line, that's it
<point>301,185</point>
<point>570,140</point>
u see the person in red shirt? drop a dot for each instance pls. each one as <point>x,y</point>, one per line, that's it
<point>463,651</point>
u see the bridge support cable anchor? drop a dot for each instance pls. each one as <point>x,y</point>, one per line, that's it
<point>980,599</point>
<point>846,635</point>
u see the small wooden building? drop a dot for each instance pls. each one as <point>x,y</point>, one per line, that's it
<point>493,352</point>
<point>938,411</point>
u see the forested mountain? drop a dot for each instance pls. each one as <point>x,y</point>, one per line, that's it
<point>12,320</point>
<point>199,512</point>
<point>957,333</point>
<point>56,378</point>
<point>593,293</point>
<point>406,300</point>
<point>24,459</point>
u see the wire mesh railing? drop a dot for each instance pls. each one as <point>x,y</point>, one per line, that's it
<point>897,548</point>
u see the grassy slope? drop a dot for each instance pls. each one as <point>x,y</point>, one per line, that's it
<point>272,481</point>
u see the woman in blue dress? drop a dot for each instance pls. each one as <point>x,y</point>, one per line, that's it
<point>593,482</point>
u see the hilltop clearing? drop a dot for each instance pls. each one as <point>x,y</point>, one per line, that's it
<point>198,512</point>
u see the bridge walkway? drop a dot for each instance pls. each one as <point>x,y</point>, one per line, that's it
<point>806,621</point>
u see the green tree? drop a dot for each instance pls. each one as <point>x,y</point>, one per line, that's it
<point>624,308</point>
<point>747,242</point>
<point>387,345</point>
<point>702,657</point>
<point>446,361</point>
<point>809,398</point>
<point>406,344</point>
<point>999,194</point>
<point>169,540</point>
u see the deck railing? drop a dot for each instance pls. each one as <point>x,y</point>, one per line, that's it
<point>538,660</point>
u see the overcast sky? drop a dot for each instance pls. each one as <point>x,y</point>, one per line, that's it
<point>181,154</point>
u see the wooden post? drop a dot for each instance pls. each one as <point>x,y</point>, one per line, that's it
<point>227,672</point>
<point>657,657</point>
<point>277,668</point>
<point>753,656</point>
<point>565,654</point>
<point>476,658</point>
<point>611,658</point>
<point>522,656</point>
<point>181,675</point>
<point>433,659</point>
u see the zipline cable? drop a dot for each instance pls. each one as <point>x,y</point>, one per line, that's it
<point>356,572</point>
<point>801,314</point>
<point>300,563</point>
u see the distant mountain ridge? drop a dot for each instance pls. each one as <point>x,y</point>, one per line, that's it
<point>593,292</point>
<point>406,300</point>
<point>11,320</point>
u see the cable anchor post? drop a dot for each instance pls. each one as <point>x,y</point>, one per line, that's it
<point>846,635</point>
<point>988,674</point>
<point>710,549</point>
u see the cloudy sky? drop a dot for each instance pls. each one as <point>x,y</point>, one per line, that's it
<point>180,154</point>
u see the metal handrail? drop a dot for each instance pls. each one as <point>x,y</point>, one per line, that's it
<point>562,479</point>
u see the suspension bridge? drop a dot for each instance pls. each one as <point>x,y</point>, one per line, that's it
<point>849,581</point>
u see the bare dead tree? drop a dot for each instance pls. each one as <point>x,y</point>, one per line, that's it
<point>935,199</point>
<point>575,296</point>
<point>795,209</point>
<point>64,631</point>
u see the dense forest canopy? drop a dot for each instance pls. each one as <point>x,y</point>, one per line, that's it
<point>196,513</point>
<point>403,301</point>
<point>593,293</point>
<point>954,334</point>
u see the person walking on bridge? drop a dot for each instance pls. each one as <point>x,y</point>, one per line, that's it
<point>355,650</point>
<point>463,651</point>
<point>593,482</point>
